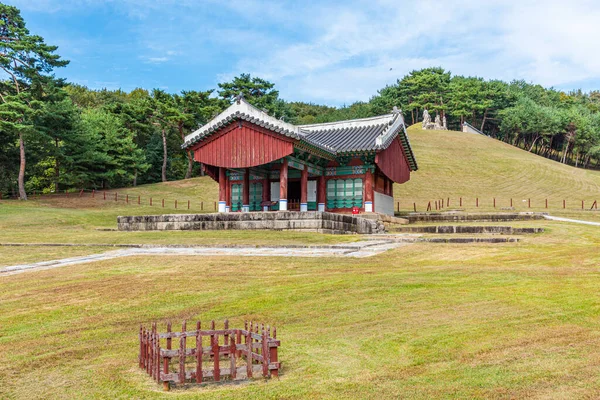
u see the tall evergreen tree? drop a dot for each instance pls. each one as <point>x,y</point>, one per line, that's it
<point>193,108</point>
<point>258,92</point>
<point>428,89</point>
<point>55,123</point>
<point>25,58</point>
<point>121,160</point>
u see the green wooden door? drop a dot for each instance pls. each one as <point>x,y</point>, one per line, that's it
<point>236,196</point>
<point>256,196</point>
<point>345,193</point>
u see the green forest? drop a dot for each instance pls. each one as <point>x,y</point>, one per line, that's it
<point>58,135</point>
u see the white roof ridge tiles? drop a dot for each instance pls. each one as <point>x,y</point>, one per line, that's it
<point>391,130</point>
<point>241,107</point>
<point>351,123</point>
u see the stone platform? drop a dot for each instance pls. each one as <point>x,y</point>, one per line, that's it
<point>324,222</point>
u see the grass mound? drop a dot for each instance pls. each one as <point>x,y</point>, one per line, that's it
<point>456,164</point>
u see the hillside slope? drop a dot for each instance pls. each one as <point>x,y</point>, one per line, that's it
<point>454,164</point>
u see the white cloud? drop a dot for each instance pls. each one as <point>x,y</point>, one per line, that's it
<point>156,60</point>
<point>552,43</point>
<point>342,52</point>
<point>556,43</point>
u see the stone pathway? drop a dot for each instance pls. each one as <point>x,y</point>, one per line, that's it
<point>365,248</point>
<point>576,221</point>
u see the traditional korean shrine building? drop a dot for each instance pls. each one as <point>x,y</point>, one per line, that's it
<point>265,164</point>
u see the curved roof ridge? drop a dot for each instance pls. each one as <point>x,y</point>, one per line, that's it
<point>390,131</point>
<point>244,110</point>
<point>355,135</point>
<point>349,123</point>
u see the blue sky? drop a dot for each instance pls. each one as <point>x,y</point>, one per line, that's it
<point>325,52</point>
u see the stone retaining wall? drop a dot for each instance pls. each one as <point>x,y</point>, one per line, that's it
<point>473,217</point>
<point>283,220</point>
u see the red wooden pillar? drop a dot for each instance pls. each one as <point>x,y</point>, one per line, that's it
<point>368,191</point>
<point>222,189</point>
<point>283,185</point>
<point>304,189</point>
<point>321,193</point>
<point>246,191</point>
<point>266,192</point>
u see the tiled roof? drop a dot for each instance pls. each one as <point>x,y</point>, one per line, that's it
<point>366,134</point>
<point>243,110</point>
<point>358,135</point>
<point>347,136</point>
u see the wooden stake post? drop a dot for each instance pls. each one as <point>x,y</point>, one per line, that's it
<point>166,360</point>
<point>182,355</point>
<point>199,352</point>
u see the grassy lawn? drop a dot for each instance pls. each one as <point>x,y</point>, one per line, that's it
<point>422,321</point>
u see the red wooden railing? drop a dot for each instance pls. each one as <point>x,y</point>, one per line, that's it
<point>250,352</point>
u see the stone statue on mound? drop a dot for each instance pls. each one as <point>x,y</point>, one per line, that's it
<point>438,123</point>
<point>426,119</point>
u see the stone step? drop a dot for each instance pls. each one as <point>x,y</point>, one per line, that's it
<point>418,238</point>
<point>386,219</point>
<point>457,240</point>
<point>449,229</point>
<point>473,217</point>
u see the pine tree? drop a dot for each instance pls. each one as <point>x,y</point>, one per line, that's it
<point>258,92</point>
<point>26,59</point>
<point>193,108</point>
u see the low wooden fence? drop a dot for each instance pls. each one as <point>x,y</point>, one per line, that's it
<point>493,202</point>
<point>246,353</point>
<point>405,205</point>
<point>122,198</point>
